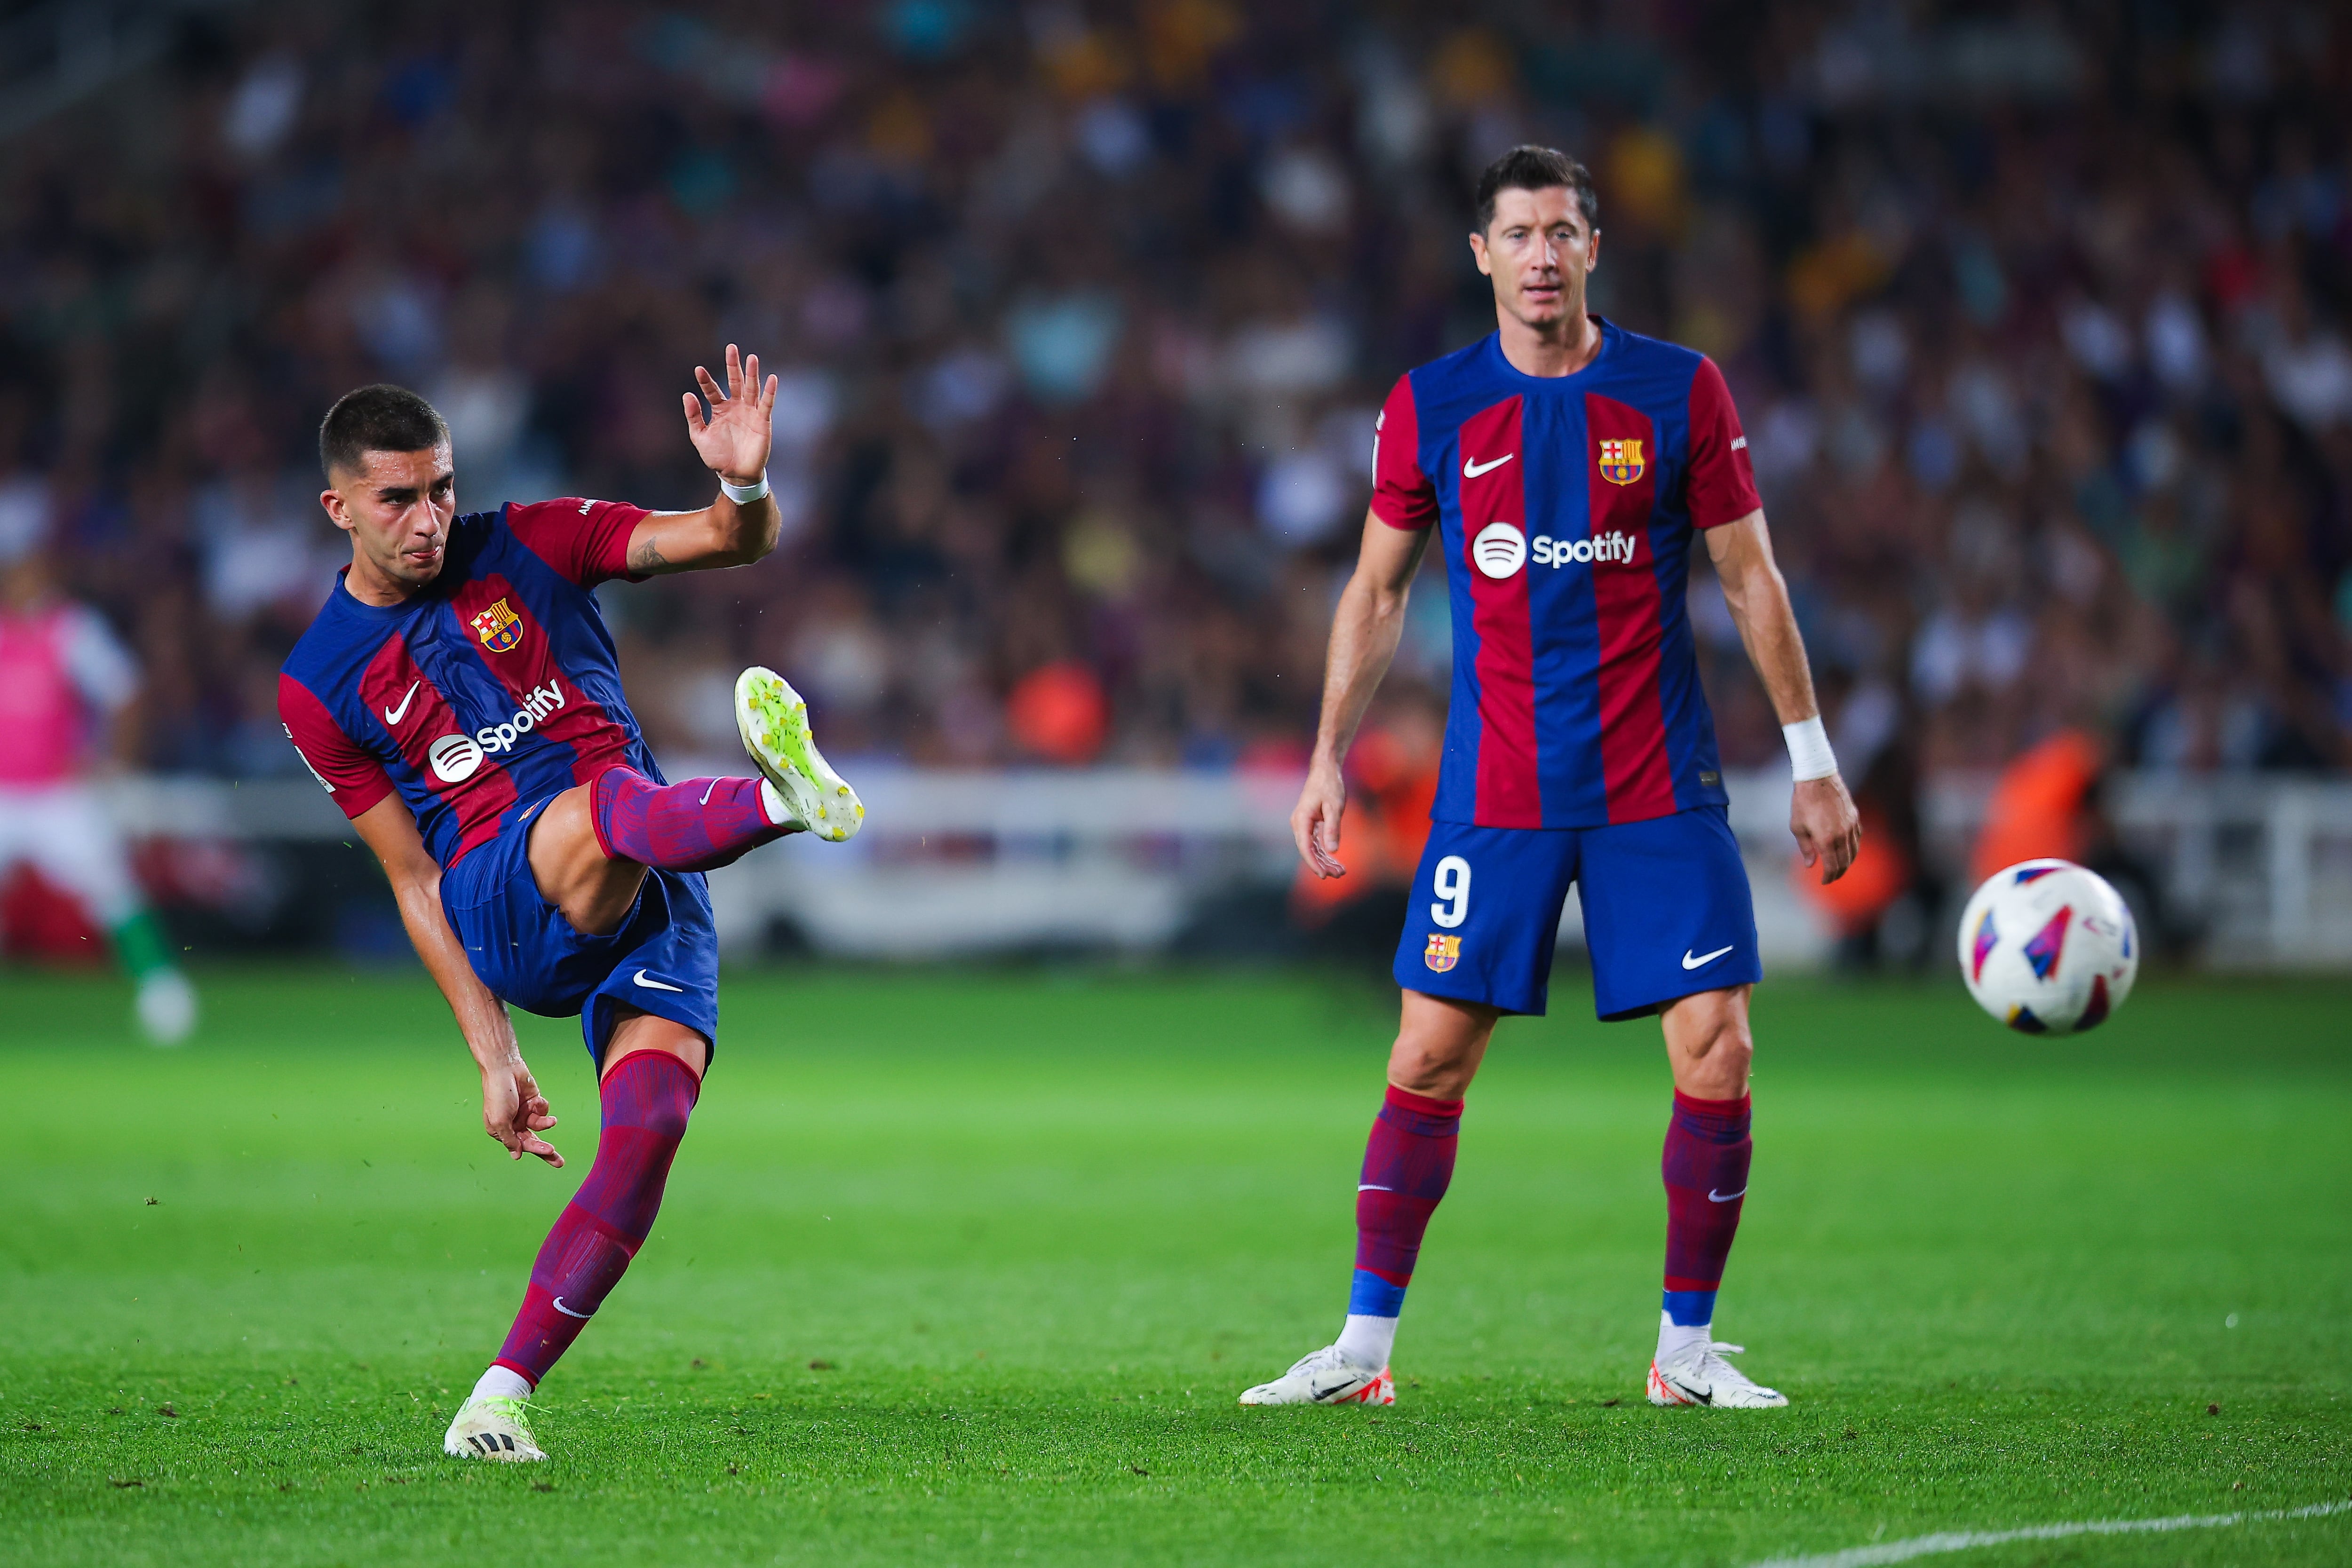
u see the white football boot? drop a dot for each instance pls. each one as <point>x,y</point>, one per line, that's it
<point>490,1427</point>
<point>773,722</point>
<point>1325,1377</point>
<point>1698,1374</point>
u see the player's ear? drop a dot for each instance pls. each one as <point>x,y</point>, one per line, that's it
<point>337,512</point>
<point>1478,251</point>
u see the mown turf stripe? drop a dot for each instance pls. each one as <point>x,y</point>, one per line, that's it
<point>1962,1540</point>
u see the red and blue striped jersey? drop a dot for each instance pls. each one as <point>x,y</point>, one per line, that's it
<point>1566,506</point>
<point>494,688</point>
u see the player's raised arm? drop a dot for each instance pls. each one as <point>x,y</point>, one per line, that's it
<point>1364,634</point>
<point>740,526</point>
<point>513,1110</point>
<point>1821,815</point>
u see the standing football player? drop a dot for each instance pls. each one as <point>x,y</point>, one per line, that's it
<point>66,684</point>
<point>1565,463</point>
<point>459,697</point>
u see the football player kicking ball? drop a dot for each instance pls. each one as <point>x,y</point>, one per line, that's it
<point>1564,463</point>
<point>458,695</point>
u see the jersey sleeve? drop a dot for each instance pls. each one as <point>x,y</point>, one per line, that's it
<point>354,779</point>
<point>587,541</point>
<point>1402,495</point>
<point>1722,485</point>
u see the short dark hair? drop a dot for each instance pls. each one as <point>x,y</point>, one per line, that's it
<point>381,418</point>
<point>1530,168</point>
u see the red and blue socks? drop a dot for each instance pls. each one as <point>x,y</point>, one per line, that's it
<point>1408,1163</point>
<point>1706,1170</point>
<point>647,1099</point>
<point>699,825</point>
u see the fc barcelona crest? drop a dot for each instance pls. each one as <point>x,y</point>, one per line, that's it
<point>499,627</point>
<point>1621,461</point>
<point>1443,952</point>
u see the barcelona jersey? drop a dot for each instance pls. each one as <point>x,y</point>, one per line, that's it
<point>1565,507</point>
<point>480,697</point>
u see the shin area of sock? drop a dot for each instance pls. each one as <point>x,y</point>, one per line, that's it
<point>1704,1167</point>
<point>647,1097</point>
<point>1408,1165</point>
<point>701,824</point>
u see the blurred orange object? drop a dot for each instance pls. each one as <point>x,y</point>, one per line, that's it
<point>2039,804</point>
<point>1877,879</point>
<point>1058,711</point>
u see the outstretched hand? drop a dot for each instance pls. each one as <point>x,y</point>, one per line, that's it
<point>515,1112</point>
<point>1828,827</point>
<point>733,441</point>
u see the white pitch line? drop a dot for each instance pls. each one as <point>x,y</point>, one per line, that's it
<point>1962,1540</point>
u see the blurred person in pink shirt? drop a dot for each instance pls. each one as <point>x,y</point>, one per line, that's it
<point>65,680</point>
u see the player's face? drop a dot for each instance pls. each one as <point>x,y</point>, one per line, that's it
<point>1538,250</point>
<point>397,506</point>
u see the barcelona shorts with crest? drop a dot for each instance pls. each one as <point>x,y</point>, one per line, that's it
<point>1668,912</point>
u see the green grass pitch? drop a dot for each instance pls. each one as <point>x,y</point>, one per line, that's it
<point>968,1267</point>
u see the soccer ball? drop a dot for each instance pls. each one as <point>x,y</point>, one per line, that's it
<point>2048,948</point>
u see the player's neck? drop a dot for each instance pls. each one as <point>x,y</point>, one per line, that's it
<point>1559,348</point>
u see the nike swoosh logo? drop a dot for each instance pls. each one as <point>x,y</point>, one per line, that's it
<point>1704,959</point>
<point>1471,469</point>
<point>656,985</point>
<point>1368,1186</point>
<point>394,715</point>
<point>1714,1197</point>
<point>567,1311</point>
<point>706,794</point>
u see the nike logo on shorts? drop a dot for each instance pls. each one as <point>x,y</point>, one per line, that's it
<point>1714,1197</point>
<point>394,715</point>
<point>653,985</point>
<point>1704,959</point>
<point>1472,468</point>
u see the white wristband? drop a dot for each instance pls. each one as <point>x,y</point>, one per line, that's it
<point>743,495</point>
<point>1809,755</point>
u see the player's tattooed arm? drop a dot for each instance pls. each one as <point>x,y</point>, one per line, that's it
<point>513,1110</point>
<point>645,558</point>
<point>732,440</point>
<point>1821,813</point>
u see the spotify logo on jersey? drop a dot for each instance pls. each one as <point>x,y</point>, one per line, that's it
<point>454,757</point>
<point>1499,550</point>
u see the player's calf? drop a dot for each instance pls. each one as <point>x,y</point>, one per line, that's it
<point>647,1097</point>
<point>1408,1165</point>
<point>699,825</point>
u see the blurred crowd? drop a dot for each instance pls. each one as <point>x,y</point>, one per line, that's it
<point>2036,319</point>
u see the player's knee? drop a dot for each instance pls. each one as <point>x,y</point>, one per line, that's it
<point>1719,1054</point>
<point>1440,1066</point>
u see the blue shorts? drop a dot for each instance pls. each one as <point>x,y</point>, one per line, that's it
<point>662,960</point>
<point>1667,913</point>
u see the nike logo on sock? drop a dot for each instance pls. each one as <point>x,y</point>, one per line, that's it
<point>1714,1197</point>
<point>706,794</point>
<point>1704,958</point>
<point>568,1312</point>
<point>652,984</point>
<point>1368,1186</point>
<point>394,715</point>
